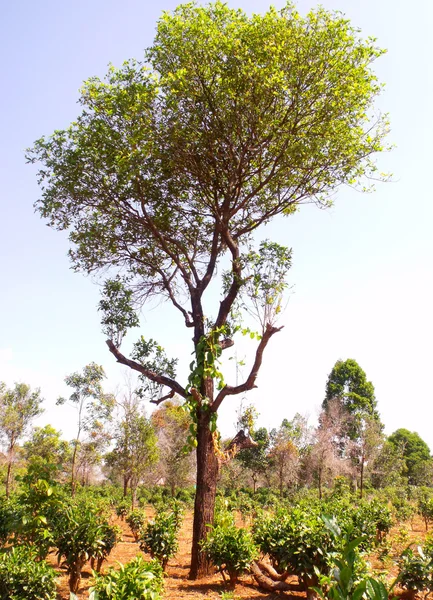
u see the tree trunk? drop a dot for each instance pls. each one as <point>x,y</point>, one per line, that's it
<point>134,485</point>
<point>204,505</point>
<point>74,460</point>
<point>8,477</point>
<point>126,479</point>
<point>361,482</point>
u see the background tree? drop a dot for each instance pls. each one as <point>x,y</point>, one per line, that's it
<point>47,455</point>
<point>173,164</point>
<point>389,468</point>
<point>172,425</point>
<point>323,459</point>
<point>18,407</point>
<point>348,382</point>
<point>135,449</point>
<point>347,386</point>
<point>416,454</point>
<point>255,461</point>
<point>365,448</point>
<point>93,406</point>
<point>90,452</point>
<point>284,458</point>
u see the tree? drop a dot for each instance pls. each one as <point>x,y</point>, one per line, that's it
<point>46,453</point>
<point>256,460</point>
<point>172,424</point>
<point>135,450</point>
<point>348,382</point>
<point>366,447</point>
<point>18,407</point>
<point>416,454</point>
<point>389,468</point>
<point>361,431</point>
<point>174,164</point>
<point>93,406</point>
<point>323,460</point>
<point>90,452</point>
<point>284,455</point>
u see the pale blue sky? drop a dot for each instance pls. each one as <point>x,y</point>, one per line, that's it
<point>362,271</point>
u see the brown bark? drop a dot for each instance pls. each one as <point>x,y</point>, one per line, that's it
<point>207,472</point>
<point>269,584</point>
<point>361,483</point>
<point>8,477</point>
<point>126,479</point>
<point>269,569</point>
<point>74,460</point>
<point>135,366</point>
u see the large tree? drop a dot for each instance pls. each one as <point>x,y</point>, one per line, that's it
<point>361,428</point>
<point>47,455</point>
<point>174,163</point>
<point>92,405</point>
<point>18,407</point>
<point>348,382</point>
<point>172,424</point>
<point>135,450</point>
<point>416,454</point>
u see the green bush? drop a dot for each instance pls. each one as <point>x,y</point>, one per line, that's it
<point>159,537</point>
<point>137,580</point>
<point>10,517</point>
<point>110,536</point>
<point>136,520</point>
<point>123,508</point>
<point>83,535</point>
<point>373,520</point>
<point>425,509</point>
<point>24,578</point>
<point>297,542</point>
<point>342,582</point>
<point>416,571</point>
<point>231,550</point>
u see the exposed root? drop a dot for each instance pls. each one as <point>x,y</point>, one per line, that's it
<point>267,582</point>
<point>263,566</point>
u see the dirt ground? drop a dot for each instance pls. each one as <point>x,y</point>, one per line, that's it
<point>178,587</point>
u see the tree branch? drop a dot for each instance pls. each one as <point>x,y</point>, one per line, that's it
<point>226,343</point>
<point>227,303</point>
<point>166,397</point>
<point>132,364</point>
<point>250,383</point>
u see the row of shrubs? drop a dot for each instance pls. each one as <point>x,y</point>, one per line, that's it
<point>298,540</point>
<point>42,519</point>
<point>23,577</point>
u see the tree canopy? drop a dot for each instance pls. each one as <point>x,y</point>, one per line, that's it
<point>416,454</point>
<point>348,382</point>
<point>175,161</point>
<point>18,407</point>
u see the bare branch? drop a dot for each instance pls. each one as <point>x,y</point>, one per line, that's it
<point>250,383</point>
<point>132,364</point>
<point>166,397</point>
<point>226,343</point>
